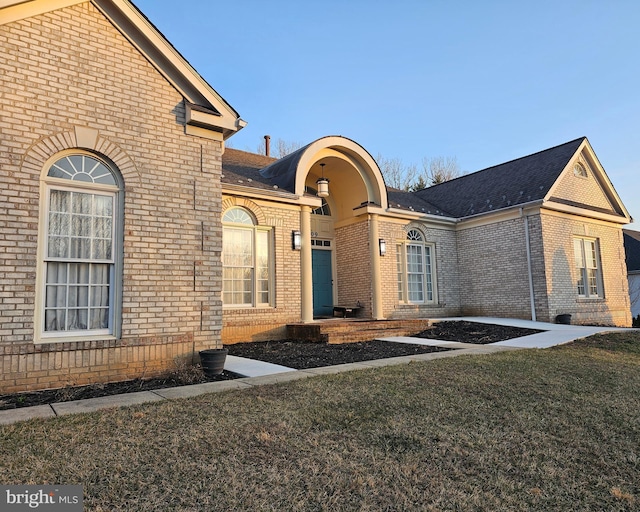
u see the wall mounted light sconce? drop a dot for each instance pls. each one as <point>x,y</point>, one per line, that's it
<point>383,246</point>
<point>296,240</point>
<point>323,184</point>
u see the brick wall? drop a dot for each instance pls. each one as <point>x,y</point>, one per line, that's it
<point>447,275</point>
<point>494,270</point>
<point>69,73</point>
<point>561,274</point>
<point>354,265</point>
<point>268,323</point>
<point>581,190</point>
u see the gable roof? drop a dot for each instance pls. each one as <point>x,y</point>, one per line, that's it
<point>532,179</point>
<point>632,249</point>
<point>204,107</point>
<point>513,183</point>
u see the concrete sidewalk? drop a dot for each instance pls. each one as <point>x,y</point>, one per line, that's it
<point>554,334</point>
<point>259,372</point>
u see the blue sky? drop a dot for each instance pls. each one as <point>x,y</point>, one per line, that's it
<point>482,81</point>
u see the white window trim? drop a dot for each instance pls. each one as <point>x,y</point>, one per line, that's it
<point>599,281</point>
<point>255,229</point>
<point>401,246</point>
<point>115,292</point>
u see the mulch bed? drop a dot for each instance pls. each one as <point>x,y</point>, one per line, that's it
<point>294,354</point>
<point>69,394</point>
<point>473,332</point>
<point>307,354</point>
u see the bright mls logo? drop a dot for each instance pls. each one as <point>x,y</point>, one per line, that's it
<point>52,498</point>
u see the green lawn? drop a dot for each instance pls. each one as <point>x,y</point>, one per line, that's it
<point>555,429</point>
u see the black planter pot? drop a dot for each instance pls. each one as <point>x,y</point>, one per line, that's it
<point>213,360</point>
<point>563,319</point>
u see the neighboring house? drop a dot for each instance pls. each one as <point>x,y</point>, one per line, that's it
<point>632,251</point>
<point>130,237</point>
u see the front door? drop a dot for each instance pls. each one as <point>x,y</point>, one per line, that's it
<point>322,283</point>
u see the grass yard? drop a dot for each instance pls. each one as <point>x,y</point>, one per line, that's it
<point>555,429</point>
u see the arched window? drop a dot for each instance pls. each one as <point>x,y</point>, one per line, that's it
<point>80,248</point>
<point>246,260</point>
<point>580,170</point>
<point>415,269</point>
<point>322,210</point>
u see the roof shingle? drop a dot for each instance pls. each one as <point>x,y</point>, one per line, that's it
<point>516,182</point>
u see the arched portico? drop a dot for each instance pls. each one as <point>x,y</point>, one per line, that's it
<point>339,254</point>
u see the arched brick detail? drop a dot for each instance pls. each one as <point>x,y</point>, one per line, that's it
<point>37,155</point>
<point>253,207</point>
<point>414,225</point>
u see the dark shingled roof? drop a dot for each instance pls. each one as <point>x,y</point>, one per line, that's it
<point>516,182</point>
<point>412,202</point>
<point>242,168</point>
<point>510,184</point>
<point>283,172</point>
<point>632,249</point>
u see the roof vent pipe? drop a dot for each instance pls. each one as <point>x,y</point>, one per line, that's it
<point>267,145</point>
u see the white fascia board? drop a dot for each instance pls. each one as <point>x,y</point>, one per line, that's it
<point>205,119</point>
<point>168,61</point>
<point>600,176</point>
<point>270,195</point>
<point>584,212</point>
<point>409,215</point>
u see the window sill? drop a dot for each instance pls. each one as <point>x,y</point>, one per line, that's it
<point>420,305</point>
<point>589,300</point>
<point>73,338</point>
<point>247,308</point>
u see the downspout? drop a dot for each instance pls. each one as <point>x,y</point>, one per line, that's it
<point>528,245</point>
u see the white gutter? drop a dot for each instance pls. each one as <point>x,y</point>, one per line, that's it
<point>528,245</point>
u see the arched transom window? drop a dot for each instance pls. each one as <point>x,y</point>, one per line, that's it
<point>246,260</point>
<point>415,269</point>
<point>580,170</point>
<point>322,210</point>
<point>81,226</point>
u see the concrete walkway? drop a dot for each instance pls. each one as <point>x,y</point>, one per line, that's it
<point>259,373</point>
<point>554,334</point>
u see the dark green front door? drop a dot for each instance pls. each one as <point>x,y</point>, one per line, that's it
<point>322,283</point>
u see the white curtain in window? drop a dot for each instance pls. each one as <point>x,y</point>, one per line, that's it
<point>77,289</point>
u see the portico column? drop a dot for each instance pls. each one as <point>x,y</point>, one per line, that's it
<point>376,280</point>
<point>306,271</point>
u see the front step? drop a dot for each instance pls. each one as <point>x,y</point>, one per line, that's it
<point>352,331</point>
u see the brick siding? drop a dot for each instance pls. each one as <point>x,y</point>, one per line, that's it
<point>268,323</point>
<point>71,70</point>
<point>561,274</point>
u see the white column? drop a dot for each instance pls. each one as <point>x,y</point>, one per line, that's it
<point>376,280</point>
<point>306,271</point>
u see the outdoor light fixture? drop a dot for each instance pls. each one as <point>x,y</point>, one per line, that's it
<point>323,184</point>
<point>383,247</point>
<point>296,240</point>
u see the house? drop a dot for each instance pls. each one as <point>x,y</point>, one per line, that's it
<point>632,252</point>
<point>532,238</point>
<point>130,236</point>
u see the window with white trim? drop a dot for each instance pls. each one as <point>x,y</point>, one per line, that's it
<point>415,269</point>
<point>587,261</point>
<point>81,233</point>
<point>246,260</point>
